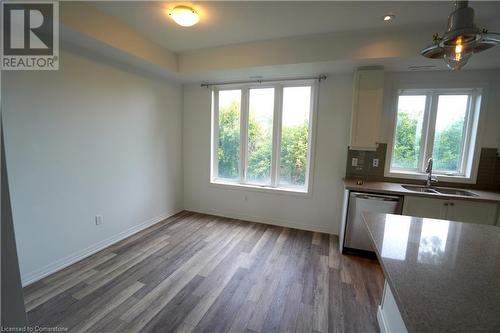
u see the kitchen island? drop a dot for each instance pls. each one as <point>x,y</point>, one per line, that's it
<point>441,275</point>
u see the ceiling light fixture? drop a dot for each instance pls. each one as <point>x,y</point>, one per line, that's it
<point>184,16</point>
<point>389,17</point>
<point>461,40</point>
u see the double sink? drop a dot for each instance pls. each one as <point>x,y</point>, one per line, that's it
<point>439,190</point>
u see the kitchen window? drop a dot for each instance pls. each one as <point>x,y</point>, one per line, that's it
<point>441,124</point>
<point>262,135</point>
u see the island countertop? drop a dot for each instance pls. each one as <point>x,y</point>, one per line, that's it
<point>444,275</point>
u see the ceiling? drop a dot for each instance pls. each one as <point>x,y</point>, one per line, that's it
<point>225,23</point>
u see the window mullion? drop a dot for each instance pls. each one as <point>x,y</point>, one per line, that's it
<point>431,114</point>
<point>215,137</point>
<point>311,139</point>
<point>424,133</point>
<point>467,131</point>
<point>277,119</point>
<point>243,135</point>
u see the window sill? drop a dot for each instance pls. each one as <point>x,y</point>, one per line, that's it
<point>423,176</point>
<point>263,189</point>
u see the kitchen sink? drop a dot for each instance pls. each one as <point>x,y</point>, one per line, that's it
<point>421,189</point>
<point>439,190</point>
<point>455,191</point>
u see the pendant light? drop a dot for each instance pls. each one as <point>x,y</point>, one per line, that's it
<point>461,40</point>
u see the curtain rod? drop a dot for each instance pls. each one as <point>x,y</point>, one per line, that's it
<point>319,78</point>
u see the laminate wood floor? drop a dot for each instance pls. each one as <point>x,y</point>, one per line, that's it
<point>201,273</point>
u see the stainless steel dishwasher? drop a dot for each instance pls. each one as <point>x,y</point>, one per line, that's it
<point>356,234</point>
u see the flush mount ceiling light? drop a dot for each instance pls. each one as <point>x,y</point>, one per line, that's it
<point>184,16</point>
<point>389,17</point>
<point>461,40</point>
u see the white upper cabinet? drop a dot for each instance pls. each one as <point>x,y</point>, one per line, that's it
<point>366,108</point>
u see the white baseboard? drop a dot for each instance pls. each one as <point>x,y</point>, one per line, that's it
<point>51,268</point>
<point>265,220</point>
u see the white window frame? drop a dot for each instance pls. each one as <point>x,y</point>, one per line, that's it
<point>277,120</point>
<point>471,146</point>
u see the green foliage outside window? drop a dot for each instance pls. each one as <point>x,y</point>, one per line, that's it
<point>259,150</point>
<point>293,154</point>
<point>229,141</point>
<point>446,150</point>
<point>407,142</point>
<point>447,147</point>
<point>294,145</point>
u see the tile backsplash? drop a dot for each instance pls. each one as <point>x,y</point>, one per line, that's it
<point>488,177</point>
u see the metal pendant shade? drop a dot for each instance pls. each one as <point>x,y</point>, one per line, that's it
<point>461,40</point>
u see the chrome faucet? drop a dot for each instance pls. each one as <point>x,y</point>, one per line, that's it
<point>430,179</point>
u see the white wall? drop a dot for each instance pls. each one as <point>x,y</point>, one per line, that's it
<point>319,212</point>
<point>85,140</point>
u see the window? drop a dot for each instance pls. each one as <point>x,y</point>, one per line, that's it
<point>294,135</point>
<point>441,124</point>
<point>261,135</point>
<point>229,134</point>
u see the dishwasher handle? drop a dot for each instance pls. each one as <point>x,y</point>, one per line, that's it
<point>376,197</point>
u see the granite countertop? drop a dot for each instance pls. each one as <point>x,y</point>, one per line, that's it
<point>395,188</point>
<point>445,275</point>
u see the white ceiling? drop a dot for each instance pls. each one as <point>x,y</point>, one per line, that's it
<point>224,23</point>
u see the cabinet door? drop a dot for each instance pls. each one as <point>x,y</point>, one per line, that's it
<point>366,108</point>
<point>425,207</point>
<point>473,211</point>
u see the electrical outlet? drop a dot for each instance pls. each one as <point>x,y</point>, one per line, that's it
<point>375,163</point>
<point>98,219</point>
<point>354,162</point>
